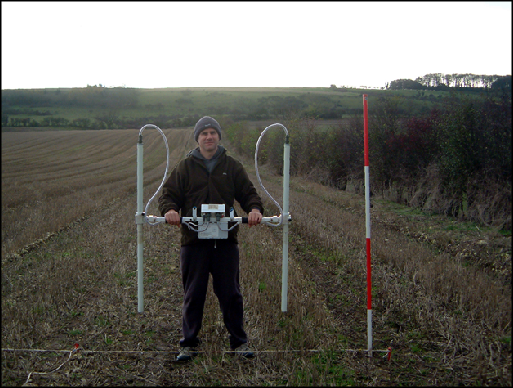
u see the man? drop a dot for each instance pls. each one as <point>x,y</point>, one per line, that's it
<point>209,176</point>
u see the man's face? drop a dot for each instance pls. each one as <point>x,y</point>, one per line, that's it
<point>208,140</point>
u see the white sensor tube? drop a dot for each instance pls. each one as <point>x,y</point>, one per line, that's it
<point>139,219</point>
<point>285,222</point>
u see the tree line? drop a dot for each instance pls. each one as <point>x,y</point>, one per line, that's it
<point>440,81</point>
<point>90,96</point>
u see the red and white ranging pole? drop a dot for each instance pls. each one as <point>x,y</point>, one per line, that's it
<point>367,224</point>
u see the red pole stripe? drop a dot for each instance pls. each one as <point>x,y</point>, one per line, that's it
<point>366,130</point>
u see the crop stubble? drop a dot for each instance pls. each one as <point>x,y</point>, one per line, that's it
<point>69,275</point>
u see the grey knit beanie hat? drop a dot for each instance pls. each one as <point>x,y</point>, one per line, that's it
<point>204,123</point>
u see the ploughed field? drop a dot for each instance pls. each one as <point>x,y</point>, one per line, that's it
<point>441,289</point>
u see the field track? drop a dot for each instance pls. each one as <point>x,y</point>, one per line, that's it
<point>442,295</point>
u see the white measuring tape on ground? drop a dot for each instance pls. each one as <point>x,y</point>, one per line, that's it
<point>77,349</point>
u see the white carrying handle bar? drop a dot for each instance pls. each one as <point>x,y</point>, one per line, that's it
<point>241,220</point>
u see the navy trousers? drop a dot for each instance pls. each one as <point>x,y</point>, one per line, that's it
<point>221,259</point>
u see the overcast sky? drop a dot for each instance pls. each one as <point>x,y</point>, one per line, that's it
<point>249,44</point>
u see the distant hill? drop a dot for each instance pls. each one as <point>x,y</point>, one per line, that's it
<point>98,107</point>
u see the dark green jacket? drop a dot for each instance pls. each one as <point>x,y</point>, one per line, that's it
<point>190,184</point>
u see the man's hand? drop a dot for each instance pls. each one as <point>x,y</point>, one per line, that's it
<point>172,217</point>
<point>254,217</point>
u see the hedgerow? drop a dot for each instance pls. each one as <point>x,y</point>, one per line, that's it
<point>456,160</point>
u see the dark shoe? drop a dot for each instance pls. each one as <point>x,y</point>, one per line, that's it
<point>244,351</point>
<point>186,354</point>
